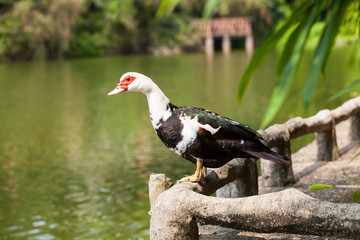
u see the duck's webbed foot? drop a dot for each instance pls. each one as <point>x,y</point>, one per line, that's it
<point>199,174</point>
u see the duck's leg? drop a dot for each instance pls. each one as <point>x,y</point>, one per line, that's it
<point>198,175</point>
<point>203,172</point>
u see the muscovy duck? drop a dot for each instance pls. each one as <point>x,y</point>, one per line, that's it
<point>198,135</point>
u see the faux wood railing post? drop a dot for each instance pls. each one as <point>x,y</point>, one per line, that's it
<point>354,133</point>
<point>158,183</point>
<point>276,174</point>
<point>326,140</point>
<point>247,183</point>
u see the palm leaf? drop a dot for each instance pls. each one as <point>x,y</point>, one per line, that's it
<point>316,187</point>
<point>345,90</point>
<point>342,12</point>
<point>351,179</point>
<point>290,43</point>
<point>268,45</point>
<point>166,8</point>
<point>162,8</point>
<point>209,8</point>
<point>334,18</point>
<point>282,87</point>
<point>287,51</point>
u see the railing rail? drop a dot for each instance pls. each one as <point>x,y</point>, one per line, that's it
<point>323,125</point>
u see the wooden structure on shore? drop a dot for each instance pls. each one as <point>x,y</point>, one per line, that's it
<point>176,211</point>
<point>225,28</point>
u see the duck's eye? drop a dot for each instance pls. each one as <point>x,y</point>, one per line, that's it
<point>128,79</point>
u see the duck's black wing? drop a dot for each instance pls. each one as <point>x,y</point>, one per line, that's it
<point>226,127</point>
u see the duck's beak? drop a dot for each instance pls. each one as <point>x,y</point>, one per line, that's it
<point>117,90</point>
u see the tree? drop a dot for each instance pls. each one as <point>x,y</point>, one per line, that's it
<point>38,29</point>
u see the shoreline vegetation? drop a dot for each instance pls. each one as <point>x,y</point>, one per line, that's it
<point>57,29</point>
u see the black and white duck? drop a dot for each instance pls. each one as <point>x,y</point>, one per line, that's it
<point>198,135</point>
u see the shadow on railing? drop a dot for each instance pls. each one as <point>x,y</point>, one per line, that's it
<point>176,212</point>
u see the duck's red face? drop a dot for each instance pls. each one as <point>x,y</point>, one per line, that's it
<point>123,86</point>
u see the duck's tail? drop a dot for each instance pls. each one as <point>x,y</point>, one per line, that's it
<point>265,153</point>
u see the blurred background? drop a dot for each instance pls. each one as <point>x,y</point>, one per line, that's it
<point>74,163</point>
<point>53,29</point>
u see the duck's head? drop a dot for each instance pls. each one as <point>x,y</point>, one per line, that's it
<point>132,81</point>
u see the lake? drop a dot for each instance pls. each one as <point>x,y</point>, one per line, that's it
<point>74,163</point>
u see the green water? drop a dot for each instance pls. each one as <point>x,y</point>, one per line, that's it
<point>74,163</point>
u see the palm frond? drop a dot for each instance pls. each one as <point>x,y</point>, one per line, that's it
<point>322,52</point>
<point>299,36</point>
<point>267,47</point>
<point>345,90</point>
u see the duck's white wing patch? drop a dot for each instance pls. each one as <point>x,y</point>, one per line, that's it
<point>190,131</point>
<point>209,128</point>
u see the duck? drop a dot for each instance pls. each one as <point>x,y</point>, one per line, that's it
<point>201,136</point>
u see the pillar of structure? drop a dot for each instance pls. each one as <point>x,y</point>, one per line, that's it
<point>249,44</point>
<point>209,45</point>
<point>226,44</point>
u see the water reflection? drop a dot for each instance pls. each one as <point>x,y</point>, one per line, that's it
<point>60,175</point>
<point>74,163</point>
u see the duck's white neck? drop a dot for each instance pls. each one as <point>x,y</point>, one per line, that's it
<point>159,106</point>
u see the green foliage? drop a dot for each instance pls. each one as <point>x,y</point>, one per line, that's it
<point>296,30</point>
<point>88,36</point>
<point>316,187</point>
<point>352,180</point>
<point>57,28</point>
<point>350,25</point>
<point>296,44</point>
<point>52,29</point>
<point>209,8</point>
<point>166,8</point>
<point>266,48</point>
<point>355,196</point>
<point>322,52</point>
<point>262,12</point>
<point>174,31</point>
<point>38,29</point>
<point>345,90</point>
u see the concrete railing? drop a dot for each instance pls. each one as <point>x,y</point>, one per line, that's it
<point>177,210</point>
<point>279,137</point>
